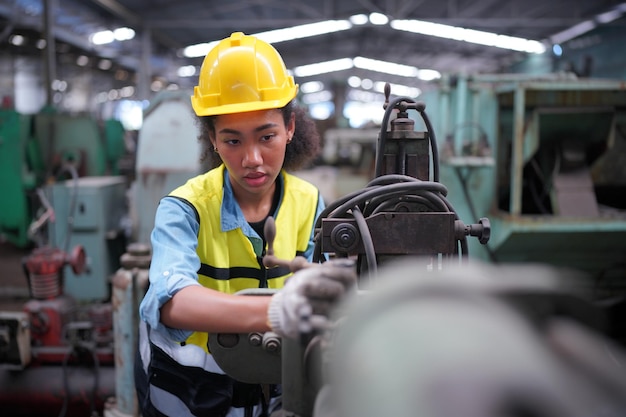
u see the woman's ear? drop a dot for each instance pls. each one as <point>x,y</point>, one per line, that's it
<point>212,140</point>
<point>291,126</point>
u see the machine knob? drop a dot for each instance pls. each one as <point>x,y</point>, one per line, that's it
<point>345,237</point>
<point>482,230</point>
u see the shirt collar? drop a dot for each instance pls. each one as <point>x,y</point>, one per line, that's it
<point>231,214</point>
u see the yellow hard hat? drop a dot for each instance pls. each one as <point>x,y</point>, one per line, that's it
<point>240,74</point>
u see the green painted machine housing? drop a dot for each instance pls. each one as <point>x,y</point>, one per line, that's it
<point>33,148</point>
<point>19,168</point>
<point>544,159</point>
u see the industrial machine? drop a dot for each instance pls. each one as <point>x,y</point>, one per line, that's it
<point>543,157</point>
<point>432,329</point>
<point>33,151</point>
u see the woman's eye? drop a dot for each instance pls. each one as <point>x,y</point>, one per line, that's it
<point>267,137</point>
<point>232,141</point>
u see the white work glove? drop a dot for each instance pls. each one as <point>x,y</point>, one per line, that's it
<point>310,291</point>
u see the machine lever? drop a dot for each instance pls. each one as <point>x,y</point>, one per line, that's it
<point>270,260</point>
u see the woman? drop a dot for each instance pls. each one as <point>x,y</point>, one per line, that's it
<point>208,238</point>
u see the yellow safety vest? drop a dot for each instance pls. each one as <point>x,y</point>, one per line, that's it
<point>228,261</point>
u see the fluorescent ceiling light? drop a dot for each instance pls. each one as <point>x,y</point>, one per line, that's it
<point>469,35</point>
<point>311,87</point>
<point>367,64</point>
<point>199,49</point>
<point>574,31</point>
<point>397,89</point>
<point>279,35</point>
<point>318,97</point>
<point>186,71</point>
<point>611,15</point>
<point>386,67</point>
<point>323,67</point>
<point>378,19</point>
<point>359,19</point>
<point>304,31</point>
<point>108,36</point>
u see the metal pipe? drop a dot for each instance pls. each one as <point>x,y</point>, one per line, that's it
<point>39,391</point>
<point>517,163</point>
<point>50,52</point>
<point>461,106</point>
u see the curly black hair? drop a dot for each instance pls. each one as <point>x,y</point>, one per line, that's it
<point>303,149</point>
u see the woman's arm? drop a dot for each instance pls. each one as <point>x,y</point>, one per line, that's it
<point>203,309</point>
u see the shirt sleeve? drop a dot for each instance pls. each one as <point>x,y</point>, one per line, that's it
<point>174,263</point>
<point>308,254</point>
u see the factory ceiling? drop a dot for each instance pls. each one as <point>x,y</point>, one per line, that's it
<point>172,25</point>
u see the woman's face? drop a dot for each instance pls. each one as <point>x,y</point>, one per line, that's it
<point>252,147</point>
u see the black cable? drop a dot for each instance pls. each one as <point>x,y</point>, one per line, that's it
<point>66,386</point>
<point>368,243</point>
<point>381,192</point>
<point>380,146</point>
<point>433,142</point>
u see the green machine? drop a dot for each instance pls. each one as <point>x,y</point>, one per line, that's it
<point>34,149</point>
<point>18,176</point>
<point>546,159</point>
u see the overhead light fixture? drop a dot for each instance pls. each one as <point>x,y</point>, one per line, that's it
<point>318,97</point>
<point>367,64</point>
<point>386,67</point>
<point>199,49</point>
<point>82,60</point>
<point>186,71</point>
<point>108,36</point>
<point>311,87</point>
<point>323,67</point>
<point>378,19</point>
<point>105,64</point>
<point>359,19</point>
<point>469,35</point>
<point>304,31</point>
<point>397,89</point>
<point>278,35</point>
<point>17,40</point>
<point>354,81</point>
<point>573,32</point>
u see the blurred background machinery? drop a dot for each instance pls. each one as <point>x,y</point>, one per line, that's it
<point>34,151</point>
<point>80,202</point>
<point>544,157</point>
<point>168,154</point>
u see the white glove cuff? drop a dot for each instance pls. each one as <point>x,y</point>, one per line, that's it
<point>275,313</point>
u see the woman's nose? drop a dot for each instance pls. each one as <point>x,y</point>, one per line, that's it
<point>252,157</point>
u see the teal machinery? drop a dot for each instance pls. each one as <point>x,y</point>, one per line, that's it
<point>544,157</point>
<point>33,149</point>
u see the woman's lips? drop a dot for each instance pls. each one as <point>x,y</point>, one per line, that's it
<point>256,179</point>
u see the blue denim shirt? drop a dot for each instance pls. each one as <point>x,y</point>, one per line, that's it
<point>174,259</point>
